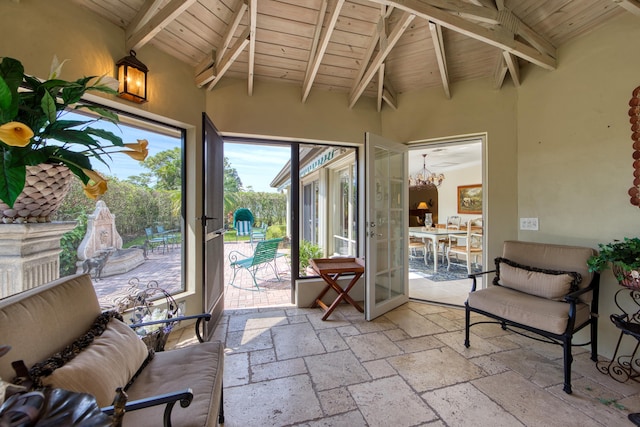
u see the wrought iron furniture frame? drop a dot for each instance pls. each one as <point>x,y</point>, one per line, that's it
<point>265,253</point>
<point>564,339</point>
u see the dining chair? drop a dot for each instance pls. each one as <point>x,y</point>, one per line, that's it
<point>469,245</point>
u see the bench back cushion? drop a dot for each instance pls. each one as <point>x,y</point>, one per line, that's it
<point>43,320</point>
<point>552,257</point>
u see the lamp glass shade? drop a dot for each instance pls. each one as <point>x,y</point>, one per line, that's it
<point>422,205</point>
<point>132,78</point>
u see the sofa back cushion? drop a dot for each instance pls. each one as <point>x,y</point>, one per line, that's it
<point>43,320</point>
<point>549,284</point>
<point>552,257</point>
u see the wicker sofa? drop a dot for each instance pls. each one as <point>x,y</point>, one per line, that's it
<point>43,321</point>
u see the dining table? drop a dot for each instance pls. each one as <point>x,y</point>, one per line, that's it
<point>433,234</point>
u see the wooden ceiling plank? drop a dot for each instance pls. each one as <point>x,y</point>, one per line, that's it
<point>495,38</point>
<point>397,31</point>
<point>253,19</point>
<point>632,6</point>
<point>514,68</point>
<point>146,12</point>
<point>231,30</point>
<point>334,13</point>
<point>438,42</point>
<point>157,23</point>
<point>229,57</point>
<point>500,72</point>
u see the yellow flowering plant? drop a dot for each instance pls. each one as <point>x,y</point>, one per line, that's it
<point>33,131</point>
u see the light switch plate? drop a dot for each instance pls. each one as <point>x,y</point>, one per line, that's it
<point>529,224</point>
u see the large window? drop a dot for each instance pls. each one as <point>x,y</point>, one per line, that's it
<point>134,233</point>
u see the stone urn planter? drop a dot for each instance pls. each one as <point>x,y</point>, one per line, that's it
<point>46,186</point>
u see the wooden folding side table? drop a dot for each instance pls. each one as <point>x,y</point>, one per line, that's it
<point>330,269</point>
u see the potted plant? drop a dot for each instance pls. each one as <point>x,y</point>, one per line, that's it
<point>33,132</point>
<point>624,258</point>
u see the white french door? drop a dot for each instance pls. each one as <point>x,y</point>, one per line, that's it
<point>386,213</point>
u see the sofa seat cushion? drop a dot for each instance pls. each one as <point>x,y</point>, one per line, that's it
<point>529,310</point>
<point>198,367</point>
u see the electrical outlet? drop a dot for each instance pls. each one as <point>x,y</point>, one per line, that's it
<point>529,224</point>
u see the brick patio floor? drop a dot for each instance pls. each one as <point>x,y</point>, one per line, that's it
<point>164,268</point>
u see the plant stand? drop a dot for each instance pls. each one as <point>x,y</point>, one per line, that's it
<point>624,367</point>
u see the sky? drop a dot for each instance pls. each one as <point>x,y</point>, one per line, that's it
<point>257,165</point>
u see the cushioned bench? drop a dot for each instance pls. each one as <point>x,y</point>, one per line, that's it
<point>43,321</point>
<point>543,289</point>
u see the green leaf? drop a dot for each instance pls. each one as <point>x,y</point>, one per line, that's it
<point>105,134</point>
<point>65,124</point>
<point>72,136</point>
<point>5,99</point>
<point>48,105</point>
<point>11,180</point>
<point>104,113</point>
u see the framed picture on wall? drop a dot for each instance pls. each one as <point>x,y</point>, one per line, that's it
<point>470,199</point>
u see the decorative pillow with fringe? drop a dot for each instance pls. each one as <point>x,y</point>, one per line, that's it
<point>550,284</point>
<point>108,356</point>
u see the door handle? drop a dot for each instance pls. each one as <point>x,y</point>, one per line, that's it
<point>205,218</point>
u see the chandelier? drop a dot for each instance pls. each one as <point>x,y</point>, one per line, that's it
<point>425,176</point>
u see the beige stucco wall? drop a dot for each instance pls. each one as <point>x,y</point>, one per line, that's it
<point>574,148</point>
<point>36,30</point>
<point>276,110</point>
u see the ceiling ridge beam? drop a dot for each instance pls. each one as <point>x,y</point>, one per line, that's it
<point>253,17</point>
<point>467,10</point>
<point>514,68</point>
<point>379,33</point>
<point>164,17</point>
<point>380,90</point>
<point>389,94</point>
<point>314,43</point>
<point>393,38</point>
<point>490,36</point>
<point>146,12</point>
<point>438,43</point>
<point>231,30</point>
<point>500,72</point>
<point>206,69</point>
<point>632,6</point>
<point>322,48</point>
<point>229,57</point>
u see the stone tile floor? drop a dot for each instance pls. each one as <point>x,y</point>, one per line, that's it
<point>286,367</point>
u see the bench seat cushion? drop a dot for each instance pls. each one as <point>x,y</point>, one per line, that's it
<point>198,367</point>
<point>529,310</point>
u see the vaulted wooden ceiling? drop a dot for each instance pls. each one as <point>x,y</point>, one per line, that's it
<point>373,48</point>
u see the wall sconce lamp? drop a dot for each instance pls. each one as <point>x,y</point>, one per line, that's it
<point>132,75</point>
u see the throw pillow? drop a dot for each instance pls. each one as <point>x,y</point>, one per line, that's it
<point>109,360</point>
<point>550,284</point>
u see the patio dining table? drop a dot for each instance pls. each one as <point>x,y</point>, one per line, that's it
<point>433,233</point>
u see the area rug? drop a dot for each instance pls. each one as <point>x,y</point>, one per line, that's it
<point>457,271</point>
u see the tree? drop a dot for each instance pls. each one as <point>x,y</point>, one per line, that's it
<point>167,168</point>
<point>232,186</point>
